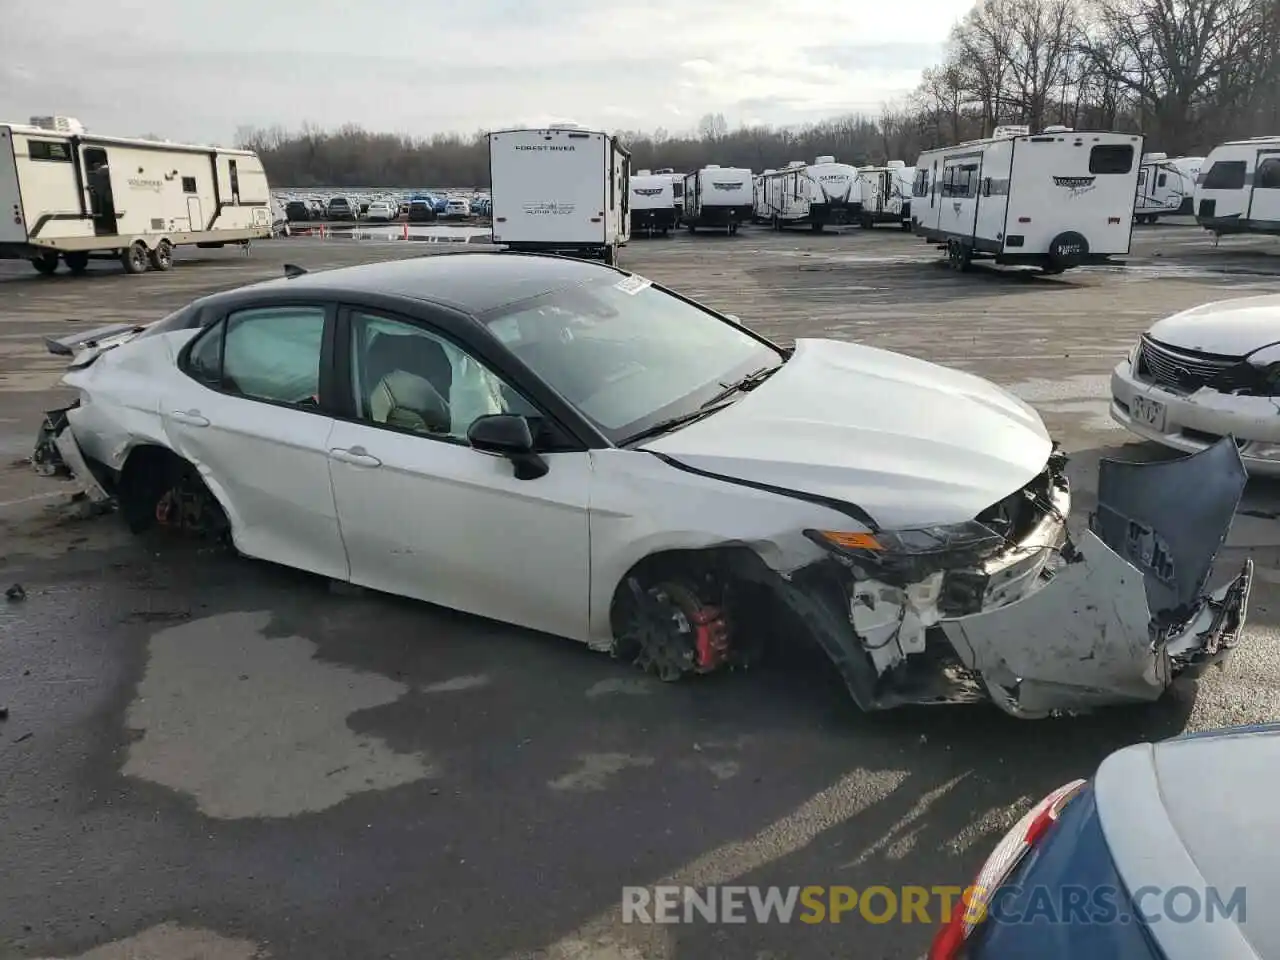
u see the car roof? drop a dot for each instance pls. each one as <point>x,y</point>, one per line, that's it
<point>1199,811</point>
<point>474,282</point>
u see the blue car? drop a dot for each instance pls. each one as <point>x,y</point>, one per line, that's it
<point>1159,857</point>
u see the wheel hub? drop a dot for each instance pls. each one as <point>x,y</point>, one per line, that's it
<point>671,632</point>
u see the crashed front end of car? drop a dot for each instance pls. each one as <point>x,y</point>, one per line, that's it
<point>1011,607</point>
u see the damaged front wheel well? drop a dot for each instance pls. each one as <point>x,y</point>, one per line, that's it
<point>717,563</point>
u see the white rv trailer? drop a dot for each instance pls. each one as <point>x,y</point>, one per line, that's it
<point>1054,200</point>
<point>1238,190</point>
<point>560,189</point>
<point>1165,186</point>
<point>677,189</point>
<point>69,195</point>
<point>653,203</point>
<point>813,195</point>
<point>885,194</point>
<point>759,208</point>
<point>717,197</point>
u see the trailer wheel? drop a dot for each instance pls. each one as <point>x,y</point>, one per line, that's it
<point>77,261</point>
<point>162,256</point>
<point>958,255</point>
<point>135,258</point>
<point>817,227</point>
<point>45,264</point>
<point>906,226</point>
<point>611,255</point>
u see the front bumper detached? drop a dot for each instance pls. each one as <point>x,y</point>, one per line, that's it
<point>1125,610</point>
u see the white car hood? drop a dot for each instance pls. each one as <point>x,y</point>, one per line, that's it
<point>909,442</point>
<point>1229,327</point>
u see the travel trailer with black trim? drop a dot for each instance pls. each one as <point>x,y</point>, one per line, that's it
<point>560,189</point>
<point>809,195</point>
<point>885,194</point>
<point>653,203</point>
<point>1166,187</point>
<point>717,198</point>
<point>759,208</point>
<point>1055,200</point>
<point>68,196</point>
<point>677,189</point>
<point>1238,189</point>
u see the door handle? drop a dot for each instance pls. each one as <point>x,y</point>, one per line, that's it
<point>192,418</point>
<point>356,456</point>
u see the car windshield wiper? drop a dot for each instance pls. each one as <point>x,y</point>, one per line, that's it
<point>749,382</point>
<point>665,426</point>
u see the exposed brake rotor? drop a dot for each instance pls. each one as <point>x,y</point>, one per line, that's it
<point>672,632</point>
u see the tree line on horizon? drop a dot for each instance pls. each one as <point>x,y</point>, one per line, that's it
<point>1189,74</point>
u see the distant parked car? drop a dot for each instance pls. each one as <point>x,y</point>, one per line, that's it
<point>279,219</point>
<point>380,210</point>
<point>421,211</point>
<point>457,207</point>
<point>297,211</point>
<point>319,209</point>
<point>340,208</point>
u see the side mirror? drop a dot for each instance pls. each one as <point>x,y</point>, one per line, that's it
<point>508,436</point>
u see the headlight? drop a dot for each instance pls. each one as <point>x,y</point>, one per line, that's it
<point>915,550</point>
<point>1267,377</point>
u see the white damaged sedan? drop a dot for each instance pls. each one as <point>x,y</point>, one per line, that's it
<point>1206,373</point>
<point>571,448</point>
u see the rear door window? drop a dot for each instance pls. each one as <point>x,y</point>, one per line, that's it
<point>1111,158</point>
<point>263,353</point>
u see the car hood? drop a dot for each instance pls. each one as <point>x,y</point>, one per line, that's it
<point>908,441</point>
<point>1228,327</point>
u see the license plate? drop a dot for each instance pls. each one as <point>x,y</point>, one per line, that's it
<point>1148,412</point>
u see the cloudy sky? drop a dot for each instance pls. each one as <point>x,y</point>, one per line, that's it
<point>199,70</point>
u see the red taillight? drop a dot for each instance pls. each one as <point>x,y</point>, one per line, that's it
<point>972,909</point>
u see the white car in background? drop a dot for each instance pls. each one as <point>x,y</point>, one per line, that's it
<point>456,208</point>
<point>574,449</point>
<point>381,210</point>
<point>1209,372</point>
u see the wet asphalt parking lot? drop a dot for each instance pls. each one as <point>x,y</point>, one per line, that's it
<point>208,757</point>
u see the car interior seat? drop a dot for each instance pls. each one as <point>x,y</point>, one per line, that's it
<point>410,377</point>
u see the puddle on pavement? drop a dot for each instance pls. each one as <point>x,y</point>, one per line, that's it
<point>251,725</point>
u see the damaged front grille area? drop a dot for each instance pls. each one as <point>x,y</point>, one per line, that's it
<point>1032,521</point>
<point>1186,371</point>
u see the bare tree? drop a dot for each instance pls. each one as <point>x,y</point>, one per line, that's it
<point>1176,56</point>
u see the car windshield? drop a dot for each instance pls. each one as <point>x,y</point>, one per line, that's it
<point>628,354</point>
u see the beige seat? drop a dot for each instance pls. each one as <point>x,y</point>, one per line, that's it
<point>405,400</point>
<point>411,378</point>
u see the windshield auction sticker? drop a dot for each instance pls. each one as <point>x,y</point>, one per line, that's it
<point>633,284</point>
